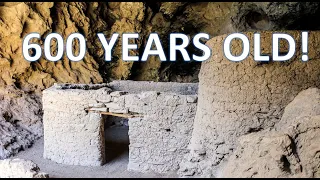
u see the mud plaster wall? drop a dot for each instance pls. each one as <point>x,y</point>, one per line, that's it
<point>240,98</point>
<point>71,135</point>
<point>158,140</point>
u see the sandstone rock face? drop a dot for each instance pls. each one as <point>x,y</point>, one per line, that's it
<point>292,150</point>
<point>243,97</point>
<point>20,19</point>
<point>263,154</point>
<point>24,18</point>
<point>19,168</point>
<point>214,18</point>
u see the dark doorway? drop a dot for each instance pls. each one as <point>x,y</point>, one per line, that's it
<point>116,138</point>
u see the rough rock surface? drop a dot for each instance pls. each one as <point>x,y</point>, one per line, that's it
<point>307,103</point>
<point>23,18</point>
<point>214,18</point>
<point>20,121</point>
<point>244,97</point>
<point>19,168</point>
<point>290,150</point>
<point>19,19</point>
<point>249,16</point>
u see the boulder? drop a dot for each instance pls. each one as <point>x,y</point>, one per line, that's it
<point>20,168</point>
<point>291,150</point>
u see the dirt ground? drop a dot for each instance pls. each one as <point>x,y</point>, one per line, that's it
<point>116,167</point>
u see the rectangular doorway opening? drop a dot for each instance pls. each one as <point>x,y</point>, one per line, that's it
<point>116,138</point>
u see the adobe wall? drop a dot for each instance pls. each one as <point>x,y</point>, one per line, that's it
<point>159,136</point>
<point>71,135</point>
<point>160,139</point>
<point>244,97</point>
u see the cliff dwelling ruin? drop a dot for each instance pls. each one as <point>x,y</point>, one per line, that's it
<point>164,128</point>
<point>160,119</point>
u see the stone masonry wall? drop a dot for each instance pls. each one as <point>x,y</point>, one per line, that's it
<point>160,139</point>
<point>159,131</point>
<point>71,135</point>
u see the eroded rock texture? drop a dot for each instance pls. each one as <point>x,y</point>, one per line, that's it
<point>275,16</point>
<point>188,18</point>
<point>19,19</point>
<point>290,150</point>
<point>20,121</point>
<point>23,18</point>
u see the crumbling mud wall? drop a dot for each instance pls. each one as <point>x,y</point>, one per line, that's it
<point>244,97</point>
<point>159,133</point>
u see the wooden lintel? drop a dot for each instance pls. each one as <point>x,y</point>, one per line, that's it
<point>115,114</point>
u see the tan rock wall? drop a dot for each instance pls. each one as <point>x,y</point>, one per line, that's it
<point>20,19</point>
